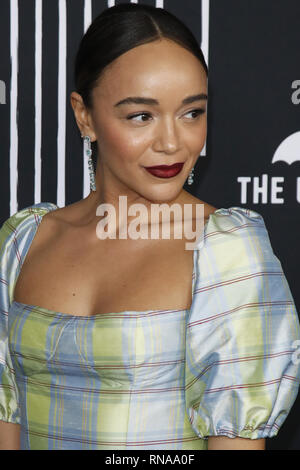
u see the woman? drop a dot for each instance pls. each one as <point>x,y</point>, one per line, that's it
<point>124,343</point>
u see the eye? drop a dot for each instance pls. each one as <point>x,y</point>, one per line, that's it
<point>133,116</point>
<point>197,111</point>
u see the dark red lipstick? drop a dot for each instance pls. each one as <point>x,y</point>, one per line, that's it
<point>165,171</point>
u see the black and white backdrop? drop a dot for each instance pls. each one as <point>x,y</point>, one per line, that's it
<point>252,153</point>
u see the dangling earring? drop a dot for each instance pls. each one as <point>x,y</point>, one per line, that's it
<point>88,152</point>
<point>191,177</point>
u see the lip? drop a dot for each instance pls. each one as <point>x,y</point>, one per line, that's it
<point>165,171</point>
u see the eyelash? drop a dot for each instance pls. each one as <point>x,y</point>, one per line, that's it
<point>199,111</point>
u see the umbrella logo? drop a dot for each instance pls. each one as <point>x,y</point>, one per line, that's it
<point>289,150</point>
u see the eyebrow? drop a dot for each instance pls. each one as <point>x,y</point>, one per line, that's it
<point>152,101</point>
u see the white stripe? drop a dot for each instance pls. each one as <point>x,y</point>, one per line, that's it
<point>86,178</point>
<point>61,134</point>
<point>133,1</point>
<point>38,101</point>
<point>14,39</point>
<point>87,14</point>
<point>110,3</point>
<point>205,29</point>
<point>205,41</point>
<point>159,4</point>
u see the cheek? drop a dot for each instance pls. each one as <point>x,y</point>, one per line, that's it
<point>122,143</point>
<point>196,140</point>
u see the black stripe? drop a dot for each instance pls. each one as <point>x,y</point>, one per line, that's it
<point>189,13</point>
<point>151,3</point>
<point>97,7</point>
<point>26,103</point>
<point>74,163</point>
<point>49,101</point>
<point>5,76</point>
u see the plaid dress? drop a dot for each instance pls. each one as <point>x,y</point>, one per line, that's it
<point>156,379</point>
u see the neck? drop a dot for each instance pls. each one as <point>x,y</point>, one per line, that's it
<point>121,203</point>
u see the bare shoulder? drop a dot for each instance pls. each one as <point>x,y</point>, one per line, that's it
<point>73,215</point>
<point>208,208</point>
<point>53,224</point>
<point>66,214</point>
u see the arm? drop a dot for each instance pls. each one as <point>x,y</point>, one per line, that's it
<point>9,436</point>
<point>237,443</point>
<point>240,376</point>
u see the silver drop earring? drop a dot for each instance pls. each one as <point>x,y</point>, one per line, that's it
<point>191,177</point>
<point>88,152</point>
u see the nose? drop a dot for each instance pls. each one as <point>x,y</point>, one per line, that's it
<point>167,138</point>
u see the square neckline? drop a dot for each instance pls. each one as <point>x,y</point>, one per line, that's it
<point>52,313</point>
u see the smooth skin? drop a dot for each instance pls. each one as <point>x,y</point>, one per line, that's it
<point>129,137</point>
<point>9,436</point>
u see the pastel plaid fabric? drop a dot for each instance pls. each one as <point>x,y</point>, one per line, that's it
<point>157,379</point>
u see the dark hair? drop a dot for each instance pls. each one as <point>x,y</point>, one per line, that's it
<point>117,30</point>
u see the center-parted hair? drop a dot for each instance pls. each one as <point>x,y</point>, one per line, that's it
<point>117,30</point>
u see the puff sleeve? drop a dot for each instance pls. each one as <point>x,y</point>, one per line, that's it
<point>9,397</point>
<point>242,367</point>
<point>16,235</point>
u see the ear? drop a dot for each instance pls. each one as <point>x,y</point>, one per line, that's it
<point>82,116</point>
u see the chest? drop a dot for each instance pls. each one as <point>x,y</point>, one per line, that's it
<point>68,276</point>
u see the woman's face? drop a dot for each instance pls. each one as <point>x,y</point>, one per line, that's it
<point>161,131</point>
